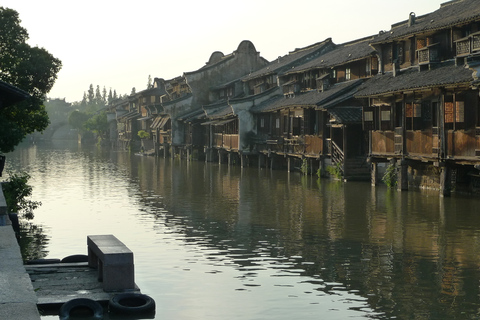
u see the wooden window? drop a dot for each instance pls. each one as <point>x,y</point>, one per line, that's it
<point>459,111</point>
<point>310,121</point>
<point>398,114</point>
<point>435,114</point>
<point>448,112</point>
<point>296,126</point>
<point>426,115</point>
<point>369,119</point>
<point>413,116</point>
<point>262,123</point>
<point>385,118</point>
<point>348,74</point>
<point>277,123</point>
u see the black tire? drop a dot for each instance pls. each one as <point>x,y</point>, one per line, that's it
<point>43,261</point>
<point>75,258</point>
<point>131,304</point>
<point>92,308</point>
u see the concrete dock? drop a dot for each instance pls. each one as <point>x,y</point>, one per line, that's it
<point>18,300</point>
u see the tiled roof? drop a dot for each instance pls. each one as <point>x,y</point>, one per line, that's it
<point>10,94</point>
<point>312,98</point>
<point>223,110</point>
<point>450,14</point>
<point>345,115</point>
<point>191,116</point>
<point>296,57</point>
<point>342,54</point>
<point>411,78</point>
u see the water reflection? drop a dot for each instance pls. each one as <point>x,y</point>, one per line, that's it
<point>213,241</point>
<point>33,241</point>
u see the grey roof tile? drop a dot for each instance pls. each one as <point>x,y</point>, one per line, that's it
<point>450,14</point>
<point>445,74</point>
<point>312,98</point>
<point>343,53</point>
<point>292,59</point>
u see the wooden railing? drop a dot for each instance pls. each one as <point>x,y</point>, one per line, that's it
<point>463,47</point>
<point>336,153</point>
<point>468,45</point>
<point>230,141</point>
<point>226,141</point>
<point>218,140</point>
<point>428,54</point>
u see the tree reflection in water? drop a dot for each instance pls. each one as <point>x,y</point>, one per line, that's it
<point>33,241</point>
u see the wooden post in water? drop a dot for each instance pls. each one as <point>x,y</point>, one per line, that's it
<point>373,174</point>
<point>445,187</point>
<point>402,175</point>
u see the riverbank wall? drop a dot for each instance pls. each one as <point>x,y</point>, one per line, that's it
<point>17,298</point>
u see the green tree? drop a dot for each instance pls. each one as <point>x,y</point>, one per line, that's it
<point>104,96</point>
<point>17,192</point>
<point>98,98</point>
<point>98,124</point>
<point>84,103</point>
<point>77,120</point>
<point>149,83</point>
<point>110,96</point>
<point>31,69</point>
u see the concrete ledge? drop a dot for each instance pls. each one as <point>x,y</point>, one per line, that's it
<point>113,260</point>
<point>17,298</point>
<point>3,209</point>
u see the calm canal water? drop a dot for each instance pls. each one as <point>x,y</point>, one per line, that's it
<point>218,242</point>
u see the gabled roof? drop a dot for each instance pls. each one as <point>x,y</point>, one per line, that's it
<point>450,14</point>
<point>292,59</point>
<point>312,98</point>
<point>445,74</point>
<point>343,53</point>
<point>10,94</point>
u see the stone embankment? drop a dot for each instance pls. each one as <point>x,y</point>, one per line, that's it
<point>17,298</point>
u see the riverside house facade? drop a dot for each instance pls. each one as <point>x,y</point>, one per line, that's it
<point>230,121</point>
<point>407,98</point>
<point>316,120</point>
<point>422,111</point>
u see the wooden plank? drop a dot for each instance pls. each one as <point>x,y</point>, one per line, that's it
<point>58,283</point>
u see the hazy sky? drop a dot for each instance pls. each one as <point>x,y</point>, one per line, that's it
<point>118,44</point>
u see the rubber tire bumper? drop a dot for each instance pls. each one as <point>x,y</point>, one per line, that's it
<point>75,258</point>
<point>81,303</point>
<point>131,304</point>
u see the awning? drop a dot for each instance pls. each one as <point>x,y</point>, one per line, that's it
<point>289,82</point>
<point>160,122</point>
<point>219,122</point>
<point>129,115</point>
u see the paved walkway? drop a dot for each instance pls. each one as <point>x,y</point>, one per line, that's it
<point>17,298</point>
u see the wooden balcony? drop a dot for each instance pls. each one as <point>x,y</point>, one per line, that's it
<point>463,145</point>
<point>429,54</point>
<point>382,142</point>
<point>468,45</point>
<point>313,145</point>
<point>463,47</point>
<point>230,141</point>
<point>226,141</point>
<point>419,143</point>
